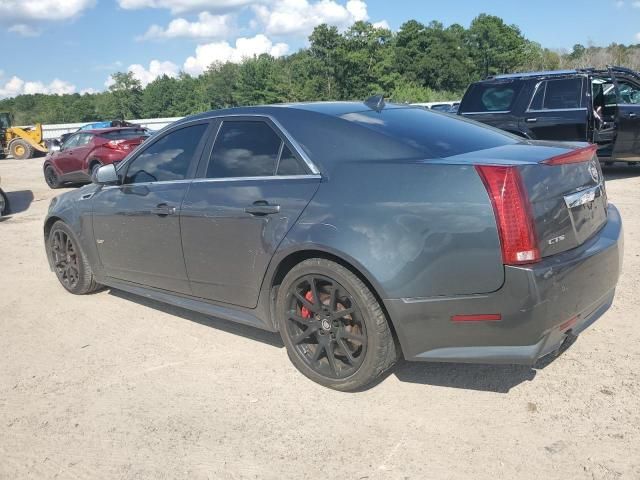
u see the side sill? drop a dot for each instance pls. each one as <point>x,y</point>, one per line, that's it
<point>189,303</point>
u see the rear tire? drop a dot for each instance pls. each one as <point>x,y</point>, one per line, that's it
<point>69,260</point>
<point>51,177</point>
<point>344,351</point>
<point>20,149</point>
<point>94,166</point>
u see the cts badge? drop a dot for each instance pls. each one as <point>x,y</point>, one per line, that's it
<point>555,240</point>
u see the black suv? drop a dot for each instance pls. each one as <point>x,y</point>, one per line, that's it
<point>598,106</point>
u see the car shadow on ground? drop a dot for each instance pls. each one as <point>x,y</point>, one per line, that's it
<point>481,377</point>
<point>620,172</point>
<point>19,201</point>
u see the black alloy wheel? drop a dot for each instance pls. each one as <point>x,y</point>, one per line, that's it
<point>65,259</point>
<point>69,261</point>
<point>51,177</point>
<point>334,328</point>
<point>326,327</point>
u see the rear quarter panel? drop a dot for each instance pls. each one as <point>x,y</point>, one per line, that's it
<point>416,229</point>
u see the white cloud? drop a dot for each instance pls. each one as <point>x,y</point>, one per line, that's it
<point>24,30</point>
<point>88,91</point>
<point>209,53</point>
<point>16,86</point>
<point>638,36</point>
<point>147,75</point>
<point>181,6</point>
<point>207,26</point>
<point>26,11</point>
<point>382,24</point>
<point>285,17</point>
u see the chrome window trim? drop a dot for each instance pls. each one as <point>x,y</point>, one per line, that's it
<point>485,113</point>
<point>558,110</point>
<point>296,146</point>
<point>259,178</point>
<point>217,180</point>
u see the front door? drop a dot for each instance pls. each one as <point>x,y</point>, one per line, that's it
<point>71,158</point>
<point>233,219</point>
<point>558,111</point>
<point>137,224</point>
<point>627,144</point>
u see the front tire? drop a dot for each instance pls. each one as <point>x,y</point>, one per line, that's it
<point>333,327</point>
<point>69,261</point>
<point>21,150</point>
<point>51,177</point>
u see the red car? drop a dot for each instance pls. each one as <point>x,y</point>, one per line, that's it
<point>83,152</point>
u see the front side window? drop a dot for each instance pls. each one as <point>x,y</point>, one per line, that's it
<point>83,139</point>
<point>244,149</point>
<point>168,158</point>
<point>559,94</point>
<point>71,142</point>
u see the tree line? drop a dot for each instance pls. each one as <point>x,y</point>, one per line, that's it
<point>418,63</point>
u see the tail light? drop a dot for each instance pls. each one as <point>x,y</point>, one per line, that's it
<point>578,155</point>
<point>115,144</point>
<point>513,213</point>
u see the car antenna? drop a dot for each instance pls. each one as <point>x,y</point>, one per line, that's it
<point>375,102</point>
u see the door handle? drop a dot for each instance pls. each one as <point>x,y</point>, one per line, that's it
<point>261,207</point>
<point>531,120</point>
<point>162,210</point>
<point>632,115</point>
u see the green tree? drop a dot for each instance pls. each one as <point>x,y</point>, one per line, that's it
<point>126,92</point>
<point>495,46</point>
<point>219,83</point>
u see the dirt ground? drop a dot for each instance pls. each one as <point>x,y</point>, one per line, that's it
<point>115,386</point>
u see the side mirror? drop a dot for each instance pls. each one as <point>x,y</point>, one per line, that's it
<point>106,175</point>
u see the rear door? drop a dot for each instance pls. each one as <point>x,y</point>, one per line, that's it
<point>557,110</point>
<point>250,192</point>
<point>137,224</point>
<point>627,144</point>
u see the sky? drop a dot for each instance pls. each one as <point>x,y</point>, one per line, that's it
<point>68,46</point>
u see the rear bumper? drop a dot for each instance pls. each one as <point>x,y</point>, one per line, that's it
<point>539,306</point>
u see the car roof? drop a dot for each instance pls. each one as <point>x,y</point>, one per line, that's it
<point>331,109</point>
<point>110,129</point>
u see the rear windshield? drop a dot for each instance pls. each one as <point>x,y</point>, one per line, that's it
<point>490,97</point>
<point>431,135</point>
<point>124,134</point>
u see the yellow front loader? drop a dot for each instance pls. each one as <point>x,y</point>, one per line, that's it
<point>18,142</point>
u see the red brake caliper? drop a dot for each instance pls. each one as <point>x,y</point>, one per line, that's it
<point>306,313</point>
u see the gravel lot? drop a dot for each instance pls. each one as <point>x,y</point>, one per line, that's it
<point>115,386</point>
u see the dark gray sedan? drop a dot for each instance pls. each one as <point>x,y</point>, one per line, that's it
<point>360,233</point>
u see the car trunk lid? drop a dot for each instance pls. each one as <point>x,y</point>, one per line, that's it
<point>563,188</point>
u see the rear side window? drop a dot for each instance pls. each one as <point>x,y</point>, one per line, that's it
<point>124,134</point>
<point>244,149</point>
<point>168,158</point>
<point>490,97</point>
<point>558,94</point>
<point>289,163</point>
